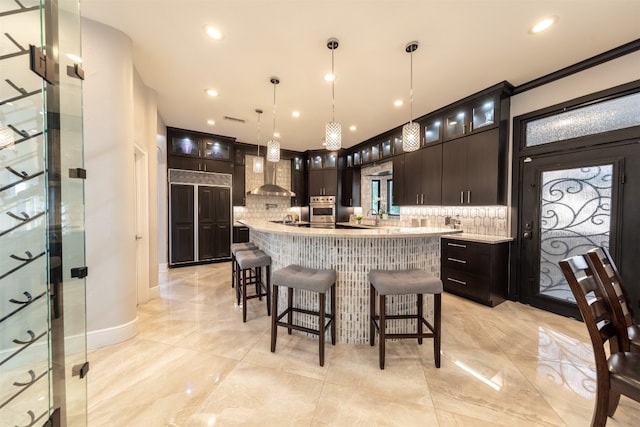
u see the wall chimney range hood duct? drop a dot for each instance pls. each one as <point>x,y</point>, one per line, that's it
<point>270,188</point>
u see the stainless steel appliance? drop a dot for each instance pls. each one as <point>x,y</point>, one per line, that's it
<point>322,211</point>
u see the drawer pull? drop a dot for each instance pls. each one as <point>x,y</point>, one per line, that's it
<point>456,245</point>
<point>461,261</point>
<point>457,281</point>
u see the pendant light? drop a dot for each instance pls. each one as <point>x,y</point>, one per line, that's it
<point>333,130</point>
<point>411,131</point>
<point>273,146</point>
<point>258,162</point>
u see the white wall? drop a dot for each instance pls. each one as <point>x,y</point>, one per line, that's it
<point>604,76</point>
<point>119,112</point>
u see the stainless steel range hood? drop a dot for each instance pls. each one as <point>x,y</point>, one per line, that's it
<point>270,188</point>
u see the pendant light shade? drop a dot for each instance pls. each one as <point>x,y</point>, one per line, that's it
<point>411,131</point>
<point>258,162</point>
<point>333,137</point>
<point>273,146</point>
<point>411,136</point>
<point>333,129</point>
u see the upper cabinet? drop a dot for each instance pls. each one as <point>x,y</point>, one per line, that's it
<point>298,182</point>
<point>474,152</point>
<point>431,130</point>
<point>323,173</point>
<point>198,151</point>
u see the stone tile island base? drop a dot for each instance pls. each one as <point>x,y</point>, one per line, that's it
<point>352,256</point>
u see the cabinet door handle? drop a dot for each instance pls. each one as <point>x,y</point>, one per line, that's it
<point>468,196</point>
<point>461,197</point>
<point>417,202</point>
<point>456,245</point>
<point>461,261</point>
<point>457,281</point>
<point>422,199</point>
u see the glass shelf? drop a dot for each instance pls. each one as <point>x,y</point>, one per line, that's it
<point>483,114</point>
<point>216,150</point>
<point>185,146</point>
<point>432,131</point>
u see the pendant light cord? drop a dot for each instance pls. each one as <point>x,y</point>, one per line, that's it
<point>333,91</point>
<point>258,134</point>
<point>411,91</point>
<point>273,137</point>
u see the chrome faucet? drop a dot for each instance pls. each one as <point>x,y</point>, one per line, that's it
<point>288,219</point>
<point>375,216</point>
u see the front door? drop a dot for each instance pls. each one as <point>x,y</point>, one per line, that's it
<point>570,204</point>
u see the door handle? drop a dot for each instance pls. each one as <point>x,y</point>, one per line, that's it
<point>527,235</point>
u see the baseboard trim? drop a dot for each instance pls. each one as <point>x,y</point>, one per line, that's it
<point>110,336</point>
<point>154,292</point>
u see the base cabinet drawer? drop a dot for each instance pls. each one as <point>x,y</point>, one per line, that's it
<point>475,270</point>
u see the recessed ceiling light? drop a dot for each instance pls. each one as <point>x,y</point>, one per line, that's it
<point>352,128</point>
<point>295,113</point>
<point>213,32</point>
<point>543,24</point>
<point>211,92</point>
<point>329,77</point>
<point>398,102</point>
<point>211,122</point>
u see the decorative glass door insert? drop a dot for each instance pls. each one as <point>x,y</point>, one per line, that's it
<point>575,216</point>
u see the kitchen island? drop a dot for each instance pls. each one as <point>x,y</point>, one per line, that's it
<point>352,253</point>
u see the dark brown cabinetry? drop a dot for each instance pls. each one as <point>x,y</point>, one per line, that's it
<point>240,234</point>
<point>298,182</point>
<point>351,187</point>
<point>417,177</point>
<point>214,223</point>
<point>476,115</point>
<point>199,223</point>
<point>473,170</point>
<point>475,270</point>
<point>182,223</point>
<point>239,197</point>
<point>199,151</point>
<point>323,174</point>
<point>423,176</point>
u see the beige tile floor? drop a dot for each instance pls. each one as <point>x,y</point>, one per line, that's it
<point>194,363</point>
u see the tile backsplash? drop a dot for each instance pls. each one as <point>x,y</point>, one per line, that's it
<point>269,208</point>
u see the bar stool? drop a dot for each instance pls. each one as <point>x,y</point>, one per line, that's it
<point>404,282</point>
<point>309,279</point>
<point>252,259</point>
<point>235,248</point>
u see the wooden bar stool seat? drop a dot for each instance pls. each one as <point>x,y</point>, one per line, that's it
<point>404,282</point>
<point>308,279</point>
<point>249,272</point>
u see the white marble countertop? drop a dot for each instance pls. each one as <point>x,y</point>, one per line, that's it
<point>266,226</point>
<point>482,238</point>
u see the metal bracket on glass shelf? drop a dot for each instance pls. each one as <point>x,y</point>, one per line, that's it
<point>41,65</point>
<point>76,71</point>
<point>81,370</point>
<point>78,173</point>
<point>80,272</point>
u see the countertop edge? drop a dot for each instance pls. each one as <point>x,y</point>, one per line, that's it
<point>481,238</point>
<point>268,227</point>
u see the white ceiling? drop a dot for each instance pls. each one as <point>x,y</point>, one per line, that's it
<point>465,46</point>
